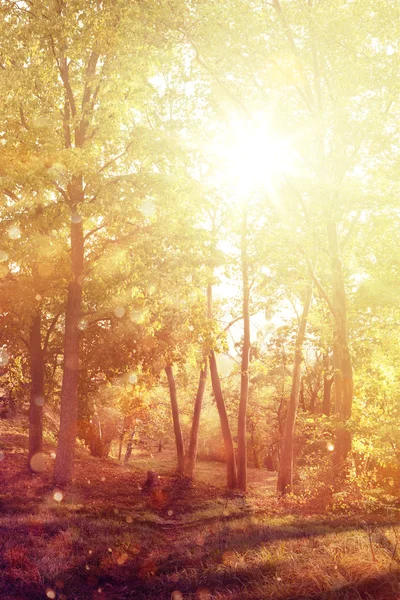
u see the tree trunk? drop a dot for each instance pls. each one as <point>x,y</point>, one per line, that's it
<point>231,477</point>
<point>285,472</point>
<point>121,441</point>
<point>343,371</point>
<point>129,446</point>
<point>328,381</point>
<point>64,462</point>
<point>194,435</point>
<point>244,374</point>
<point>175,417</point>
<point>313,401</point>
<point>301,396</point>
<point>37,395</point>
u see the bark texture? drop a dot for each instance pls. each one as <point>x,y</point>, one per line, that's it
<point>328,382</point>
<point>343,371</point>
<point>244,371</point>
<point>194,434</point>
<point>285,472</point>
<point>69,390</point>
<point>37,394</point>
<point>231,474</point>
<point>175,416</point>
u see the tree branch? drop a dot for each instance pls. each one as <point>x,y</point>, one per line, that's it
<point>115,158</point>
<point>49,331</point>
<point>322,290</point>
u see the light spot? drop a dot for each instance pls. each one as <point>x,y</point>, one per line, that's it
<point>110,549</point>
<point>90,552</point>
<point>52,454</point>
<point>4,357</point>
<point>2,455</point>
<point>135,316</point>
<point>3,256</point>
<point>99,590</point>
<point>38,297</point>
<point>132,378</point>
<point>122,558</point>
<point>176,595</point>
<point>103,478</point>
<point>58,496</point>
<point>170,513</point>
<point>88,481</point>
<point>14,232</point>
<point>39,401</point>
<point>119,311</point>
<point>147,208</point>
<point>151,289</point>
<point>390,50</point>
<point>50,593</point>
<point>83,324</point>
<point>279,579</point>
<point>36,463</point>
<point>330,447</point>
<point>87,567</point>
<point>129,519</point>
<point>75,218</point>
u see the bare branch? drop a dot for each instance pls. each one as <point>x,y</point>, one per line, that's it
<point>23,119</point>
<point>62,192</point>
<point>11,195</point>
<point>115,158</point>
<point>92,231</point>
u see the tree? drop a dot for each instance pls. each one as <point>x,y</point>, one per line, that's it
<point>93,146</point>
<point>285,473</point>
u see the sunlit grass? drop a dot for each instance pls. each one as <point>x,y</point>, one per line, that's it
<point>182,542</point>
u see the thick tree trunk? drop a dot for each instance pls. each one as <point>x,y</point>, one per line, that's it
<point>231,476</point>
<point>328,381</point>
<point>244,374</point>
<point>175,417</point>
<point>285,472</point>
<point>194,435</point>
<point>64,462</point>
<point>343,371</point>
<point>37,395</point>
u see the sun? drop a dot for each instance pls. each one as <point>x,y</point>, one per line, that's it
<point>250,155</point>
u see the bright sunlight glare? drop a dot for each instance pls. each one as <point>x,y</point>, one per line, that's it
<point>252,155</point>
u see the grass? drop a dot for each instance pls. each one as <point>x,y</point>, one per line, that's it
<point>108,540</point>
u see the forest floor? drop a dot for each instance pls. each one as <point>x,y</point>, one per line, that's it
<point>106,538</point>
